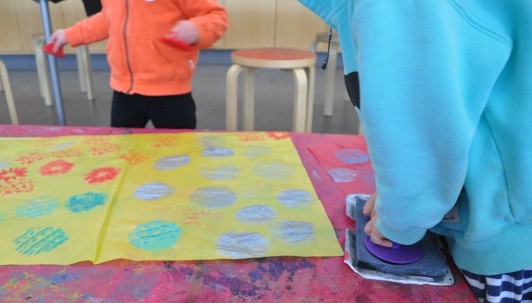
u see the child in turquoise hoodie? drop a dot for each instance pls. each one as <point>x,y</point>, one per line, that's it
<point>446,107</point>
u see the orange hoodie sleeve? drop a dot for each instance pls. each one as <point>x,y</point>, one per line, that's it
<point>209,16</point>
<point>89,30</point>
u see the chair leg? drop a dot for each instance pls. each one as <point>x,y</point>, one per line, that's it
<point>313,46</point>
<point>231,99</point>
<point>249,99</point>
<point>300,100</point>
<point>42,69</point>
<point>81,69</point>
<point>85,71</point>
<point>9,94</point>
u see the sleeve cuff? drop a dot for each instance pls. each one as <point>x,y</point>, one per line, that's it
<point>402,236</point>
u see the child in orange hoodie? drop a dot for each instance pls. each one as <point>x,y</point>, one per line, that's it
<point>151,79</point>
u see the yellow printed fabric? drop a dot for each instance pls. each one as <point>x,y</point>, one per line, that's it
<point>186,196</point>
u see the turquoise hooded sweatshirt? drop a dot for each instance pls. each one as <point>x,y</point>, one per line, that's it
<point>446,106</point>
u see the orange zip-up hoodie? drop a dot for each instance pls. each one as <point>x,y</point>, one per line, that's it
<point>140,62</point>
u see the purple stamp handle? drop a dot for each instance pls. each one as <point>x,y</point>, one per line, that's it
<point>397,254</point>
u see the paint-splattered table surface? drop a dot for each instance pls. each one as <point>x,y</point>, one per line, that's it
<point>278,279</point>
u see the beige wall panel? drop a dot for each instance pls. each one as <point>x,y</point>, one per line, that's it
<point>251,23</point>
<point>296,25</point>
<point>73,11</point>
<point>29,21</point>
<point>220,43</point>
<point>10,40</point>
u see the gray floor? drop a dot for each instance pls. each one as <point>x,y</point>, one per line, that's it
<point>273,95</point>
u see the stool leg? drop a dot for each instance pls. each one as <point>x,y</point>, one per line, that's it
<point>310,99</point>
<point>42,70</point>
<point>8,93</point>
<point>331,75</point>
<point>300,100</point>
<point>231,99</point>
<point>249,99</point>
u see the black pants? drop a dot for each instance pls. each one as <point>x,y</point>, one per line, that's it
<point>178,111</point>
<point>92,6</point>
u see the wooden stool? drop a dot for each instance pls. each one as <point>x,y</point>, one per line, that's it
<point>6,87</point>
<point>84,70</point>
<point>300,63</point>
<point>331,68</point>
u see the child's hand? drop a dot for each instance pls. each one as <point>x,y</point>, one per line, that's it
<point>185,31</point>
<point>369,207</point>
<point>58,38</point>
<point>371,230</point>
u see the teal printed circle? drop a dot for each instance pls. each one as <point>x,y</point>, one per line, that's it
<point>37,207</point>
<point>40,240</point>
<point>85,202</point>
<point>155,235</point>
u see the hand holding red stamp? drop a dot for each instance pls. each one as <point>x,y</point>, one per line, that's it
<point>177,43</point>
<point>183,35</point>
<point>49,49</point>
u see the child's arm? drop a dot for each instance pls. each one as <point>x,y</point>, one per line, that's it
<point>206,24</point>
<point>86,31</point>
<point>89,30</point>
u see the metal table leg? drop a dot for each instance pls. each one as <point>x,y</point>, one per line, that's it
<point>52,63</point>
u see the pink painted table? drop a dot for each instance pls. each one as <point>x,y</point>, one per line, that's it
<point>279,279</point>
